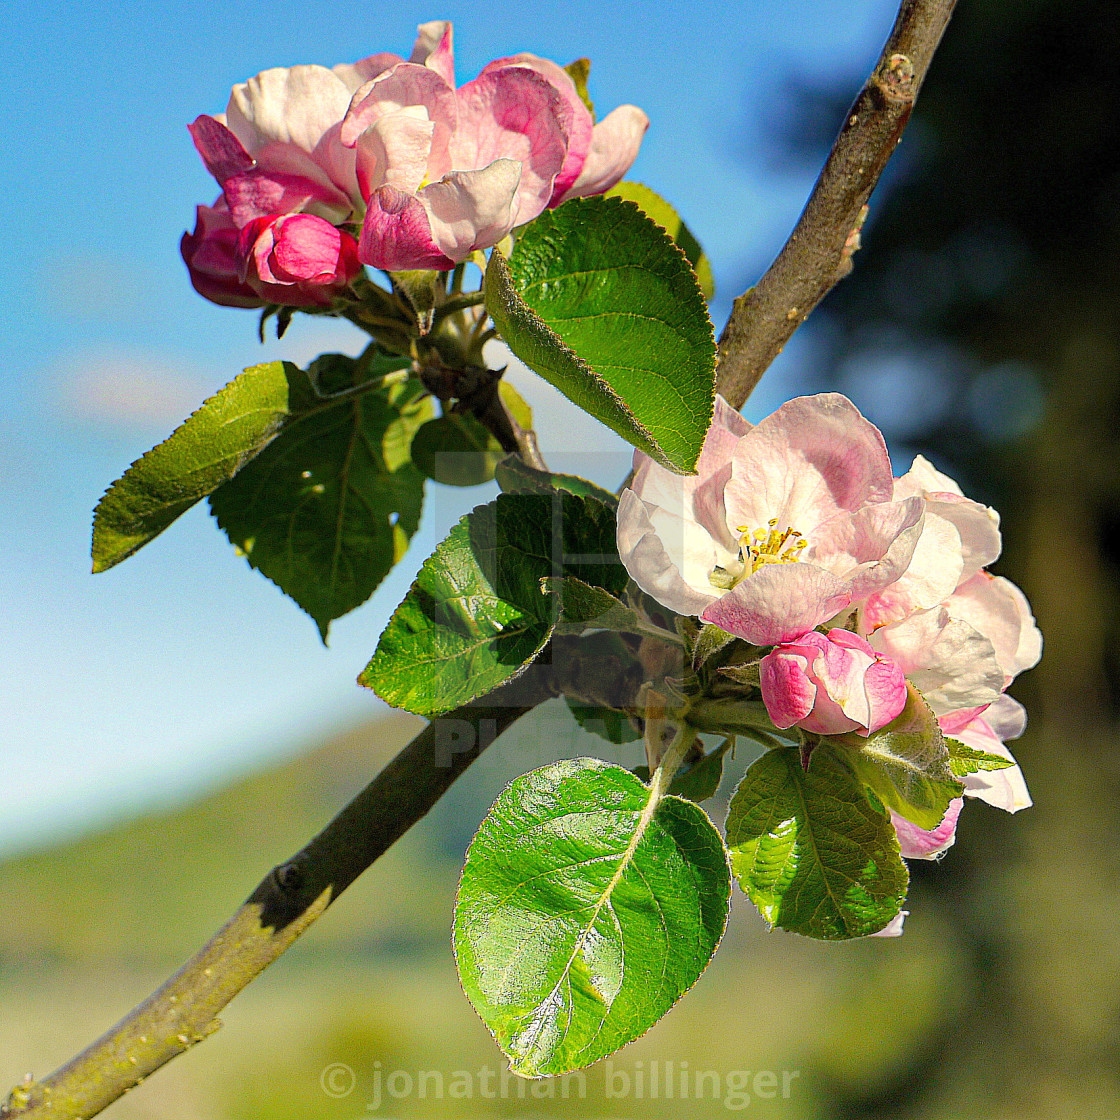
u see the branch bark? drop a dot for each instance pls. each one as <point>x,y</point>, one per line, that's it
<point>287,901</point>
<point>818,252</point>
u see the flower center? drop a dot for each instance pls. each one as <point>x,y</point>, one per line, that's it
<point>769,545</point>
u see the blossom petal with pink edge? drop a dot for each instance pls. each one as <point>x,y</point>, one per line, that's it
<point>407,86</point>
<point>644,551</point>
<point>920,843</point>
<point>869,548</point>
<point>513,114</point>
<point>472,210</point>
<point>615,141</point>
<point>354,75</point>
<point>434,48</point>
<point>950,663</point>
<point>397,235</point>
<point>778,603</point>
<point>296,106</point>
<point>578,121</point>
<point>812,458</point>
<point>394,151</point>
<point>1000,611</point>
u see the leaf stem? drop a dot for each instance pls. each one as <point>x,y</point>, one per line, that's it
<point>819,251</point>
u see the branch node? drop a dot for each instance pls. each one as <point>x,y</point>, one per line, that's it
<point>895,81</point>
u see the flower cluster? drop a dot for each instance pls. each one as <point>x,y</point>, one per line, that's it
<point>794,535</point>
<point>386,162</point>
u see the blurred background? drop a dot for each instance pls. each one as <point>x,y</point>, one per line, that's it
<point>173,728</point>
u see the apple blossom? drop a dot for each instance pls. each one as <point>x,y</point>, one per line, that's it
<point>445,171</point>
<point>431,172</point>
<point>297,259</point>
<point>831,684</point>
<point>213,261</point>
<point>784,526</point>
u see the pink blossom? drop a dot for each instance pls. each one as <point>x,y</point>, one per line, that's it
<point>831,684</point>
<point>212,259</point>
<point>445,171</point>
<point>960,634</point>
<point>784,526</point>
<point>297,259</point>
<point>431,172</point>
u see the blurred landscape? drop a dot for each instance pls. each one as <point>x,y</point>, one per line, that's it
<point>97,924</point>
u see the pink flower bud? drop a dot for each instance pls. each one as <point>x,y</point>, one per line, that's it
<point>212,259</point>
<point>831,684</point>
<point>297,259</point>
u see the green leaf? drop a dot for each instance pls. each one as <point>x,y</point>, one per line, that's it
<point>598,300</point>
<point>811,851</point>
<point>515,476</point>
<point>907,764</point>
<point>329,507</point>
<point>579,71</point>
<point>477,614</point>
<point>456,450</point>
<point>585,607</point>
<point>968,760</point>
<point>666,216</point>
<point>209,448</point>
<point>608,724</point>
<point>585,911</point>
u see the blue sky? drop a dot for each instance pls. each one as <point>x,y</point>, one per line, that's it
<point>183,666</point>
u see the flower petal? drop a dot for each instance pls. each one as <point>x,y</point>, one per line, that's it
<point>472,210</point>
<point>406,86</point>
<point>221,151</point>
<point>920,843</point>
<point>1000,611</point>
<point>1005,789</point>
<point>812,458</point>
<point>649,563</point>
<point>397,235</point>
<point>778,603</point>
<point>614,147</point>
<point>953,665</point>
<point>296,106</point>
<point>577,121</point>
<point>434,48</point>
<point>513,114</point>
<point>869,548</point>
<point>356,74</point>
<point>394,151</point>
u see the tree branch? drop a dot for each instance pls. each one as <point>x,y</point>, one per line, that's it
<point>818,252</point>
<point>293,895</point>
<point>287,901</point>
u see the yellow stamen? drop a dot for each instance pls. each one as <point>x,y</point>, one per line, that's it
<point>769,545</point>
